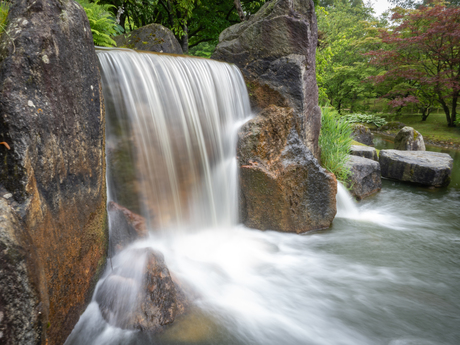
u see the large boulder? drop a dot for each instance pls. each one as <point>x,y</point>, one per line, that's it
<point>275,50</point>
<point>365,177</point>
<point>422,167</point>
<point>153,38</point>
<point>362,134</point>
<point>282,186</point>
<point>364,151</point>
<point>53,238</point>
<point>408,139</point>
<point>140,293</point>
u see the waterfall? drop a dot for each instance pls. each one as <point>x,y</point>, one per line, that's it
<point>176,118</point>
<point>346,205</point>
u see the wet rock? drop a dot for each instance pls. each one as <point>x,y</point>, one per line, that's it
<point>365,177</point>
<point>364,151</point>
<point>283,187</point>
<point>275,50</point>
<point>422,167</point>
<point>52,118</point>
<point>152,37</point>
<point>408,139</point>
<point>363,134</point>
<point>141,296</point>
<point>125,227</point>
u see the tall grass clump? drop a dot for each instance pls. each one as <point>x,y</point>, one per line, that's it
<point>4,8</point>
<point>103,24</point>
<point>335,142</point>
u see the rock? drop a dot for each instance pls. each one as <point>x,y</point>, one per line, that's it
<point>364,151</point>
<point>362,134</point>
<point>153,38</point>
<point>125,227</point>
<point>283,187</point>
<point>365,177</point>
<point>52,118</point>
<point>140,293</point>
<point>275,50</point>
<point>408,139</point>
<point>392,125</point>
<point>422,167</point>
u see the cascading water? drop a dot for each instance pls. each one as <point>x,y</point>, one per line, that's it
<point>385,273</point>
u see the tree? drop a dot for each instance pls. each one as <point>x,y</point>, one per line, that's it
<point>424,49</point>
<point>417,3</point>
<point>346,31</point>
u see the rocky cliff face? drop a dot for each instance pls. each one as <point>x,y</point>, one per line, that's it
<point>275,50</point>
<point>52,179</point>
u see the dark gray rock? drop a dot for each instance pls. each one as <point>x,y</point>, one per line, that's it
<point>52,117</point>
<point>283,187</point>
<point>153,38</point>
<point>422,167</point>
<point>365,177</point>
<point>140,293</point>
<point>275,50</point>
<point>363,134</point>
<point>408,139</point>
<point>364,151</point>
<point>125,227</point>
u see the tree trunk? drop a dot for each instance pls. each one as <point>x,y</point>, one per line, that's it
<point>239,9</point>
<point>453,116</point>
<point>184,40</point>
<point>446,111</point>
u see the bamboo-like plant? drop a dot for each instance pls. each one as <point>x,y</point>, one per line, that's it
<point>335,142</point>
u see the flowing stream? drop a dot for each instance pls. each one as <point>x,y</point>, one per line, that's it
<point>386,272</point>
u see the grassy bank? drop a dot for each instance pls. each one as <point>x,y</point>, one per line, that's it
<point>434,129</point>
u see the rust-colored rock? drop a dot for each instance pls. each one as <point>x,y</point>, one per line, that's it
<point>125,227</point>
<point>54,228</point>
<point>275,50</point>
<point>283,187</point>
<point>141,296</point>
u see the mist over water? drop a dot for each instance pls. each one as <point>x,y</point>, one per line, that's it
<point>385,273</point>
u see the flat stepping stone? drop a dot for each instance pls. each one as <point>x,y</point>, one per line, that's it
<point>365,177</point>
<point>422,167</point>
<point>364,151</point>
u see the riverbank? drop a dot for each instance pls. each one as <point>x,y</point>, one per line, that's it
<point>434,130</point>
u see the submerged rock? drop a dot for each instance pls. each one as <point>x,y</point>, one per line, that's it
<point>408,139</point>
<point>363,134</point>
<point>153,38</point>
<point>364,151</point>
<point>52,118</point>
<point>423,167</point>
<point>365,177</point>
<point>125,227</point>
<point>275,50</point>
<point>283,187</point>
<point>140,294</point>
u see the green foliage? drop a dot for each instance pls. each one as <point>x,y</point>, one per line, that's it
<point>364,118</point>
<point>335,142</point>
<point>102,23</point>
<point>203,49</point>
<point>346,30</point>
<point>4,8</point>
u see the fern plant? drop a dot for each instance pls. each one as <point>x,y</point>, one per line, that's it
<point>335,142</point>
<point>102,23</point>
<point>364,118</point>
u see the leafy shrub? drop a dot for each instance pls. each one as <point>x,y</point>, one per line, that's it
<point>363,118</point>
<point>102,23</point>
<point>203,49</point>
<point>335,142</point>
<point>4,8</point>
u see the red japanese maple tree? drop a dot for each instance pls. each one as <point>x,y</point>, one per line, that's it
<point>423,49</point>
